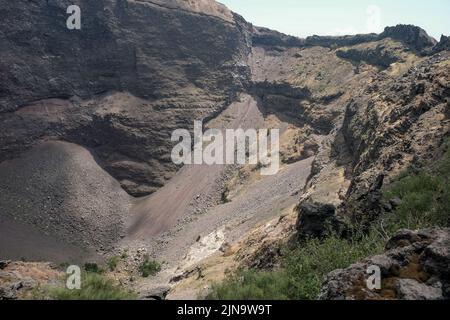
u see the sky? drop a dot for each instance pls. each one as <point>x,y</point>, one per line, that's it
<point>337,17</point>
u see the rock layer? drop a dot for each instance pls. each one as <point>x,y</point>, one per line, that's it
<point>174,62</point>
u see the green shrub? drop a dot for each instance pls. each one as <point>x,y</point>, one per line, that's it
<point>112,263</point>
<point>149,268</point>
<point>308,266</point>
<point>93,268</point>
<point>93,287</point>
<point>224,197</point>
<point>419,195</point>
<point>302,273</point>
<point>252,285</point>
<point>425,198</point>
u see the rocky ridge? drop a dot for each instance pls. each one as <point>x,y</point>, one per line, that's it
<point>123,48</point>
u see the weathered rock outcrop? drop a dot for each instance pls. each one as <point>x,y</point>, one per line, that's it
<point>340,41</point>
<point>384,134</point>
<point>378,55</point>
<point>414,267</point>
<point>415,37</point>
<point>378,106</point>
<point>19,279</point>
<point>314,218</point>
<point>272,38</point>
<point>444,44</point>
<point>393,123</point>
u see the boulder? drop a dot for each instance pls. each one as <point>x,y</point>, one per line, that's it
<point>157,293</point>
<point>4,264</point>
<point>314,219</point>
<point>410,289</point>
<point>414,267</point>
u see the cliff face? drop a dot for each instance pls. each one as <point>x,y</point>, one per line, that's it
<point>122,46</point>
<point>376,105</point>
<point>396,123</point>
<point>176,61</point>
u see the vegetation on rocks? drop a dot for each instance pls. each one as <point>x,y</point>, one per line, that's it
<point>113,262</point>
<point>94,287</point>
<point>302,271</point>
<point>424,198</point>
<point>149,268</point>
<point>423,201</point>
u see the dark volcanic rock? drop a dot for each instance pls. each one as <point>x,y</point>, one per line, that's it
<point>340,41</point>
<point>122,46</point>
<point>415,37</point>
<point>135,71</point>
<point>267,37</point>
<point>314,219</point>
<point>444,44</point>
<point>415,267</point>
<point>379,56</point>
<point>4,264</point>
<point>158,293</point>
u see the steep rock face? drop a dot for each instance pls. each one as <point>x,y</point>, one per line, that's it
<point>444,44</point>
<point>385,133</point>
<point>122,46</point>
<point>395,118</point>
<point>133,73</point>
<point>415,37</point>
<point>414,267</point>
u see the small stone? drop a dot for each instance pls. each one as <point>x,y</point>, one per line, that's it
<point>4,264</point>
<point>410,289</point>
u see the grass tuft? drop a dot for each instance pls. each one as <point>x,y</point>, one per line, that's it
<point>93,287</point>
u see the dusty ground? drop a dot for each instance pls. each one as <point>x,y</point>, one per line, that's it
<point>41,214</point>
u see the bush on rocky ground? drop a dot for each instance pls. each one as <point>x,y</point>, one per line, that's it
<point>422,200</point>
<point>149,268</point>
<point>93,287</point>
